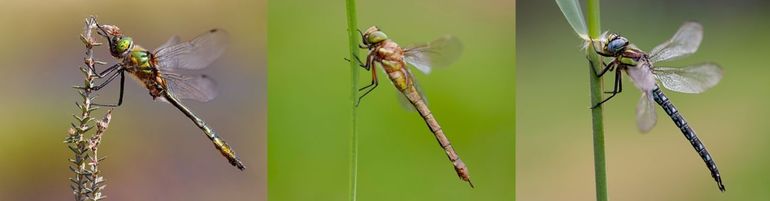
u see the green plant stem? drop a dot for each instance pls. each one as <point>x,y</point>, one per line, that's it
<point>600,169</point>
<point>350,6</point>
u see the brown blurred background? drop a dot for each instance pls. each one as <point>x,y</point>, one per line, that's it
<point>153,151</point>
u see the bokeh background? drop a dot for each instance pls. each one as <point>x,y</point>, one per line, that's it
<point>554,152</point>
<point>153,151</point>
<point>399,159</point>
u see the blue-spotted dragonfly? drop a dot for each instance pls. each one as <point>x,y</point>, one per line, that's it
<point>639,66</point>
<point>159,72</point>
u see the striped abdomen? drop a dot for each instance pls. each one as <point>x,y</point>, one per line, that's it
<point>219,143</point>
<point>672,112</point>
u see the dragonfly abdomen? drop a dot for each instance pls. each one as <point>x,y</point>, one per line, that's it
<point>435,128</point>
<point>219,143</point>
<point>688,133</point>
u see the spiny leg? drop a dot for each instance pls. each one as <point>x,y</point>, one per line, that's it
<point>374,84</point>
<point>616,89</point>
<point>364,45</point>
<point>618,86</point>
<point>598,51</point>
<point>112,77</point>
<point>109,70</point>
<point>104,33</point>
<point>367,66</point>
<point>607,67</point>
<point>104,74</point>
<point>122,87</point>
<point>359,62</point>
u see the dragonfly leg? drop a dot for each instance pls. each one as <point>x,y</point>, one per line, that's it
<point>104,33</point>
<point>370,86</point>
<point>122,84</point>
<point>599,51</point>
<point>362,46</point>
<point>605,67</point>
<point>616,89</point>
<point>109,70</point>
<point>359,62</point>
<point>112,77</point>
<point>618,86</point>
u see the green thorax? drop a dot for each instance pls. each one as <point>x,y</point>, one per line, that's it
<point>631,56</point>
<point>141,59</point>
<point>628,61</point>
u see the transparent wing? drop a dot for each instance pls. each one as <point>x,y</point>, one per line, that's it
<point>171,41</point>
<point>405,103</point>
<point>683,43</point>
<point>193,87</point>
<point>645,113</point>
<point>571,11</point>
<point>437,53</point>
<point>195,54</point>
<point>691,79</point>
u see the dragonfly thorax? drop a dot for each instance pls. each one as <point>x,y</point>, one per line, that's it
<point>141,59</point>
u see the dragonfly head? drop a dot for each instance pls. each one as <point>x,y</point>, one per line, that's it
<point>373,35</point>
<point>119,44</point>
<point>616,44</point>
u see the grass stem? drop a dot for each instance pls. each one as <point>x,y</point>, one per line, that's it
<point>350,6</point>
<point>596,85</point>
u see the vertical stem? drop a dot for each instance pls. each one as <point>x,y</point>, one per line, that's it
<point>87,184</point>
<point>600,170</point>
<point>350,6</point>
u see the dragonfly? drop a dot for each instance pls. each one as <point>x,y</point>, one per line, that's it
<point>393,59</point>
<point>640,67</point>
<point>159,72</point>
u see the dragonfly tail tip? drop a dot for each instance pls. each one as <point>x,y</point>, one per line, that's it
<point>238,164</point>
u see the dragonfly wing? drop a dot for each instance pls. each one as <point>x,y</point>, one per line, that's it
<point>571,11</point>
<point>437,53</point>
<point>195,54</point>
<point>683,43</point>
<point>691,79</point>
<point>405,103</point>
<point>645,113</point>
<point>171,41</point>
<point>193,87</point>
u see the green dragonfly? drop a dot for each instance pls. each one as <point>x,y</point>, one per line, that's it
<point>158,72</point>
<point>392,58</point>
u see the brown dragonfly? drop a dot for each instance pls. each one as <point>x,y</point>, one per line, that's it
<point>392,58</point>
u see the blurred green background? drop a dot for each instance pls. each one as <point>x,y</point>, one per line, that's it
<point>310,108</point>
<point>153,151</point>
<point>554,152</point>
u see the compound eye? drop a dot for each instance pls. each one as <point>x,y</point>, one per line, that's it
<point>123,44</point>
<point>376,37</point>
<point>617,44</point>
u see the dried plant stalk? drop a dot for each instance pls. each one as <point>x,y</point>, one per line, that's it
<point>87,183</point>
